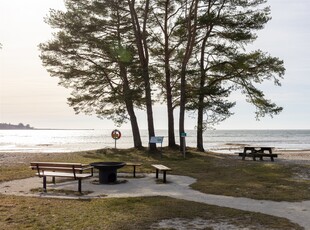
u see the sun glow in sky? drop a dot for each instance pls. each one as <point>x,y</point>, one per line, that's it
<point>29,95</point>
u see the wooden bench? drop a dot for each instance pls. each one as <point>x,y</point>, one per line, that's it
<point>59,169</point>
<point>134,164</point>
<point>162,168</point>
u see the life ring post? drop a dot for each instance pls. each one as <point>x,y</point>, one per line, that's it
<point>116,134</point>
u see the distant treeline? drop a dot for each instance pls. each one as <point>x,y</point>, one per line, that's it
<point>19,126</point>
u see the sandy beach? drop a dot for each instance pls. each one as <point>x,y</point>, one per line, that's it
<point>294,156</point>
<point>7,159</point>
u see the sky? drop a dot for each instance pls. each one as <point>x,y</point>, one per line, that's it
<point>30,96</point>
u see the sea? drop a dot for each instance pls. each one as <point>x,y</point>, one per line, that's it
<point>49,141</point>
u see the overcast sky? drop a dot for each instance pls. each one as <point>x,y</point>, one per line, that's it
<point>29,95</point>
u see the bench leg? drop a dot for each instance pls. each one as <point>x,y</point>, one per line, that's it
<point>54,180</point>
<point>270,152</point>
<point>164,176</point>
<point>80,185</point>
<point>157,173</point>
<point>134,171</point>
<point>44,183</point>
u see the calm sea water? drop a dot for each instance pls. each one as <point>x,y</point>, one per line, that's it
<point>77,140</point>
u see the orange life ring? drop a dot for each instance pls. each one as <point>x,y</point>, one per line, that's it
<point>116,134</point>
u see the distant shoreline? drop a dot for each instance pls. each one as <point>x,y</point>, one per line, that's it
<point>21,126</point>
<point>20,129</point>
<point>60,129</point>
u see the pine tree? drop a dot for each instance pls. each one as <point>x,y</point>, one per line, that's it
<point>92,54</point>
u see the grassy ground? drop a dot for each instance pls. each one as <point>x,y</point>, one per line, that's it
<point>121,213</point>
<point>216,174</point>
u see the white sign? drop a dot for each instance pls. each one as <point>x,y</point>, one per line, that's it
<point>155,140</point>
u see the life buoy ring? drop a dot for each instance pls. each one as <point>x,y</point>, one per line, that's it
<point>116,134</point>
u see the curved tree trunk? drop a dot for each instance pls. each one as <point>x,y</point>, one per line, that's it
<point>141,43</point>
<point>134,126</point>
<point>130,108</point>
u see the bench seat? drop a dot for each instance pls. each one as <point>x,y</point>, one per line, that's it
<point>162,168</point>
<point>260,155</point>
<point>62,174</point>
<point>61,169</point>
<point>134,165</point>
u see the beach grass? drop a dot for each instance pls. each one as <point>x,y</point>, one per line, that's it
<point>215,173</point>
<point>123,213</point>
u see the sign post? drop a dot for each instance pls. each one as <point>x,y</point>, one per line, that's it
<point>183,135</point>
<point>159,140</point>
<point>116,134</point>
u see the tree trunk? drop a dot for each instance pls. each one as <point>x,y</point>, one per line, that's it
<point>201,95</point>
<point>141,43</point>
<point>182,106</point>
<point>191,28</point>
<point>128,98</point>
<point>130,108</point>
<point>200,125</point>
<point>149,109</point>
<point>134,126</point>
<point>171,136</point>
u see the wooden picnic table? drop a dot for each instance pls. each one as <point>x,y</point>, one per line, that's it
<point>257,152</point>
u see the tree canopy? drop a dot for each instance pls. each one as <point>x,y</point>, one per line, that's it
<point>92,54</point>
<point>118,56</point>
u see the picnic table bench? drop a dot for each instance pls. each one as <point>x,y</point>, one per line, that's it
<point>260,152</point>
<point>60,169</point>
<point>134,165</point>
<point>162,168</point>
